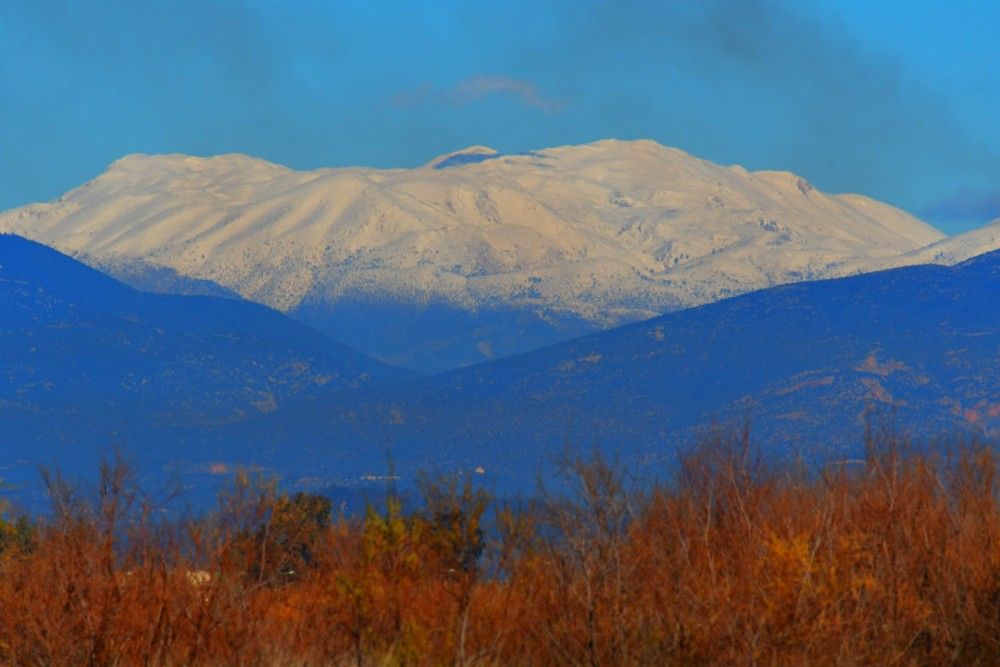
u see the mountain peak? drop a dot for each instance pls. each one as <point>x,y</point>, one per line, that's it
<point>469,155</point>
<point>166,163</point>
<point>648,144</point>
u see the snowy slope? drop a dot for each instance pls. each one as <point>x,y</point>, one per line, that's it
<point>955,249</point>
<point>579,237</point>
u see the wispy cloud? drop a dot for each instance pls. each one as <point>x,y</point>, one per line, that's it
<point>477,88</point>
<point>525,92</point>
<point>965,205</point>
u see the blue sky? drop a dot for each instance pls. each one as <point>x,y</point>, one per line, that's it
<point>897,100</point>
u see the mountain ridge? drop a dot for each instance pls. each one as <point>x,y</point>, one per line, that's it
<point>554,242</point>
<point>67,327</point>
<point>808,363</point>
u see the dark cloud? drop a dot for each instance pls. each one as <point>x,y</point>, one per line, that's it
<point>816,97</point>
<point>525,92</point>
<point>965,205</point>
<point>84,83</point>
<point>476,88</point>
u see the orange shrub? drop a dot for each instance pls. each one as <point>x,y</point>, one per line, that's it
<point>891,560</point>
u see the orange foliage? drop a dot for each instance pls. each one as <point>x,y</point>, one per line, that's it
<point>890,560</point>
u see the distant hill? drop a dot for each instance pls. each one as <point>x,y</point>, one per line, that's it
<point>86,360</point>
<point>805,363</point>
<point>190,383</point>
<point>475,256</point>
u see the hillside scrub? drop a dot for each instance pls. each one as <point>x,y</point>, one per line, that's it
<point>893,559</point>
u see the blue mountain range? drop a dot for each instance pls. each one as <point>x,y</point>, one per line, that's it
<point>202,382</point>
<point>809,366</point>
<point>87,362</point>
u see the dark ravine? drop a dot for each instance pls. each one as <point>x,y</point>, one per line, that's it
<point>435,337</point>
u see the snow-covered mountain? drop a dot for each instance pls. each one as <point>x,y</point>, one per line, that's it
<point>955,249</point>
<point>475,254</point>
<point>947,251</point>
